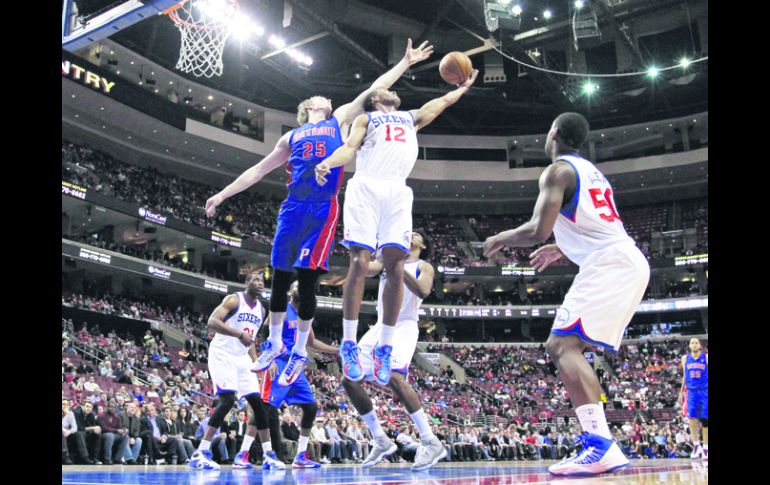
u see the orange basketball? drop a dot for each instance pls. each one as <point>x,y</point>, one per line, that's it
<point>455,67</point>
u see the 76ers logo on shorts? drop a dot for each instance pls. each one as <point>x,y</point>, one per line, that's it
<point>562,318</point>
<point>407,238</point>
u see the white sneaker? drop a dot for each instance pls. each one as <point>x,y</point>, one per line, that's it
<point>598,455</point>
<point>271,462</point>
<point>203,460</point>
<point>428,454</point>
<point>697,452</point>
<point>383,447</point>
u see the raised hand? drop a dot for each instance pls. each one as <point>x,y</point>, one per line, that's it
<point>492,246</point>
<point>413,56</point>
<point>544,256</point>
<point>471,79</point>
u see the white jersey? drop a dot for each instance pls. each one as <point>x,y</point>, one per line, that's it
<point>590,221</point>
<point>244,319</point>
<point>389,150</point>
<point>411,302</point>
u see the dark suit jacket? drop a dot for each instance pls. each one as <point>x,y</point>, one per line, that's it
<point>84,420</point>
<point>234,427</point>
<point>164,426</point>
<point>133,424</point>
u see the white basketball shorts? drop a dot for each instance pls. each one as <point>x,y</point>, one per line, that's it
<point>604,296</point>
<point>404,342</point>
<point>377,213</point>
<point>232,373</point>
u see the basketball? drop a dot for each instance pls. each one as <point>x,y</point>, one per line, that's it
<point>455,67</point>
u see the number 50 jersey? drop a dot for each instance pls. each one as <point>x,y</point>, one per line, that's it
<point>588,222</point>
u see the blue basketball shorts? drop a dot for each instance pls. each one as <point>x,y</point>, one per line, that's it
<point>304,236</point>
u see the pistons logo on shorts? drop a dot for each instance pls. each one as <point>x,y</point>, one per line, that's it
<point>407,238</point>
<point>562,317</point>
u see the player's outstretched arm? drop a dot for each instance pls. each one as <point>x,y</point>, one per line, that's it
<point>422,285</point>
<point>348,112</point>
<point>217,321</point>
<point>273,160</point>
<point>430,110</point>
<point>315,344</point>
<point>553,183</point>
<point>346,153</point>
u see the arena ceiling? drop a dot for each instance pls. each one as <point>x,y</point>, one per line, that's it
<point>355,40</point>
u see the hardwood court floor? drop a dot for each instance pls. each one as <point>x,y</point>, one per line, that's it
<point>646,472</point>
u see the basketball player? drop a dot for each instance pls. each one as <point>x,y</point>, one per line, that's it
<point>418,280</point>
<point>695,391</point>
<point>236,322</point>
<point>378,212</point>
<point>304,236</point>
<point>576,204</point>
<point>298,392</point>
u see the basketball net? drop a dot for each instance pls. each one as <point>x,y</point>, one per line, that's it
<point>205,26</point>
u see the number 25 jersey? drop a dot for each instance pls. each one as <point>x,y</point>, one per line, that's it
<point>588,222</point>
<point>310,145</point>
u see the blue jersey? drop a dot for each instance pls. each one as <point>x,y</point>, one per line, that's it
<point>310,145</point>
<point>696,372</point>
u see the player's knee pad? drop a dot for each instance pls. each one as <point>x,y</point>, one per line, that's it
<point>307,280</point>
<point>258,416</point>
<point>309,411</point>
<point>226,401</point>
<point>704,422</point>
<point>279,298</point>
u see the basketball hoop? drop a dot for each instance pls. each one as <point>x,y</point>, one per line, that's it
<point>205,26</point>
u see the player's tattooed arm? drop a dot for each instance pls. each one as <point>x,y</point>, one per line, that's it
<point>348,112</point>
<point>217,321</point>
<point>317,345</point>
<point>554,182</point>
<point>273,160</point>
<point>375,268</point>
<point>423,285</point>
<point>430,110</point>
<point>346,153</point>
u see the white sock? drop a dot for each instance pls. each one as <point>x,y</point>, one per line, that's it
<point>421,421</point>
<point>592,420</point>
<point>247,441</point>
<point>267,447</point>
<point>204,445</point>
<point>373,424</point>
<point>302,446</point>
<point>386,335</point>
<point>349,330</point>
<point>276,327</point>
<point>301,342</point>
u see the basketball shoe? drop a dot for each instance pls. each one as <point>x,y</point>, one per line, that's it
<point>705,452</point>
<point>270,352</point>
<point>598,455</point>
<point>381,357</point>
<point>293,369</point>
<point>382,448</point>
<point>271,462</point>
<point>428,454</point>
<point>697,452</point>
<point>242,460</point>
<point>351,366</point>
<point>302,461</point>
<point>203,460</point>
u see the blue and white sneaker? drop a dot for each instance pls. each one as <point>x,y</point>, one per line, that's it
<point>351,366</point>
<point>301,461</point>
<point>270,352</point>
<point>598,455</point>
<point>203,460</point>
<point>271,462</point>
<point>242,460</point>
<point>293,369</point>
<point>381,370</point>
